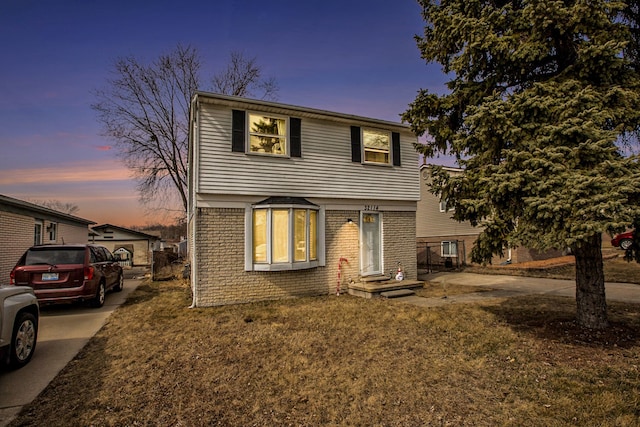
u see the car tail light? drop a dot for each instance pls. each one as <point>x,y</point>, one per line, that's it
<point>88,273</point>
<point>12,277</point>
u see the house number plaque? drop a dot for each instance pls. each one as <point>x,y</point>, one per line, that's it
<point>370,207</point>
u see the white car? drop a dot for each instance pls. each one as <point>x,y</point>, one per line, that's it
<point>19,315</point>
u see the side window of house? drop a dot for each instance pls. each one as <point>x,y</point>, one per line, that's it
<point>375,146</point>
<point>283,236</point>
<point>449,249</point>
<point>445,207</point>
<point>37,233</point>
<point>53,231</point>
<point>261,133</point>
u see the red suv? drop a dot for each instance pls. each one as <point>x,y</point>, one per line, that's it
<point>624,240</point>
<point>61,273</point>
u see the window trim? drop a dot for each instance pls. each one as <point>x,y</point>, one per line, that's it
<point>52,228</point>
<point>250,265</point>
<point>443,206</point>
<point>286,137</point>
<point>449,255</point>
<point>365,149</point>
<point>358,149</point>
<point>240,138</point>
<point>38,228</point>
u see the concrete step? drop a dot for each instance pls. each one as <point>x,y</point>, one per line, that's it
<point>397,293</point>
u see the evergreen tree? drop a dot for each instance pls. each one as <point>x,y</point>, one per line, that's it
<point>540,93</point>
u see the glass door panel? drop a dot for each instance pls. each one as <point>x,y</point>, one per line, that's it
<point>370,244</point>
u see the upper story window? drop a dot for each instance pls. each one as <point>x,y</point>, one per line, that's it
<point>375,146</point>
<point>267,134</point>
<point>284,234</point>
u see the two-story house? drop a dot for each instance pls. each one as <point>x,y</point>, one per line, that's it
<point>291,201</point>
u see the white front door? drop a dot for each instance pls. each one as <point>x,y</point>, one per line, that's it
<point>370,243</point>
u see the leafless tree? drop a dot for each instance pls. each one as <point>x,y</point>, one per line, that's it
<point>57,205</point>
<point>243,77</point>
<point>145,110</point>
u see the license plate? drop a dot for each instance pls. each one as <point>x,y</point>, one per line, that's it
<point>49,276</point>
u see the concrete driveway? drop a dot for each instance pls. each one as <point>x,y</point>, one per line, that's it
<point>506,286</point>
<point>63,332</point>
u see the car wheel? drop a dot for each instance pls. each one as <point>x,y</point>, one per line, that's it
<point>626,243</point>
<point>23,341</point>
<point>98,301</point>
<point>120,285</point>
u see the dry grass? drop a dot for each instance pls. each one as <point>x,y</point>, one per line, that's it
<point>347,361</point>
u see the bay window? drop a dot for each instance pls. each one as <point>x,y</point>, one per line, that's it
<point>283,234</point>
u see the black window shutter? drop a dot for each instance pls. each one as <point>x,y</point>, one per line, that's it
<point>395,148</point>
<point>356,151</point>
<point>237,132</point>
<point>295,136</point>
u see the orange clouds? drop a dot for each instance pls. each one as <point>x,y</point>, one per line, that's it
<point>67,173</point>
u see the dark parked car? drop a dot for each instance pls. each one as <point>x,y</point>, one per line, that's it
<point>62,273</point>
<point>624,240</point>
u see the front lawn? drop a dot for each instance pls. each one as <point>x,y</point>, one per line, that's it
<point>347,361</point>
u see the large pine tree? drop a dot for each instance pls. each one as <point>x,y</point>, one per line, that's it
<point>540,93</point>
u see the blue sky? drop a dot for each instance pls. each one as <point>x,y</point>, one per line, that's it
<point>355,57</point>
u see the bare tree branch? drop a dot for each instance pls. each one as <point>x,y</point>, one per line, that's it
<point>243,77</point>
<point>145,110</point>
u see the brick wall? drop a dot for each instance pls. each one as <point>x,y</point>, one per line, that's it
<point>16,236</point>
<point>221,278</point>
<point>399,234</point>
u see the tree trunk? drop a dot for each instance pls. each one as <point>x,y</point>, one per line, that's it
<point>590,294</point>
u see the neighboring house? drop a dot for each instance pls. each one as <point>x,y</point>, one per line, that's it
<point>24,224</point>
<point>440,239</point>
<point>132,248</point>
<point>443,241</point>
<point>290,201</point>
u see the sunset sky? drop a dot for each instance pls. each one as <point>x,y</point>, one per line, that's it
<point>351,56</point>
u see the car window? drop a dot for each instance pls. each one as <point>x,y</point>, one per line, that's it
<point>108,255</point>
<point>54,256</point>
<point>96,254</point>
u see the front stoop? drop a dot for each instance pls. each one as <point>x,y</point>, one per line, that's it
<point>386,288</point>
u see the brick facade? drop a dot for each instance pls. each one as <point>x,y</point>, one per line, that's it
<point>399,233</point>
<point>222,279</point>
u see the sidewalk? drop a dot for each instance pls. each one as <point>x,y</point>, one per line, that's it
<point>501,286</point>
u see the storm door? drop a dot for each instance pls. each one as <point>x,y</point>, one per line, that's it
<point>370,243</point>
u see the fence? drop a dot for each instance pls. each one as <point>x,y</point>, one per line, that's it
<point>432,256</point>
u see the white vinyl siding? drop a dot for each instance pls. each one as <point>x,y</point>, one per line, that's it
<point>431,221</point>
<point>325,169</point>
